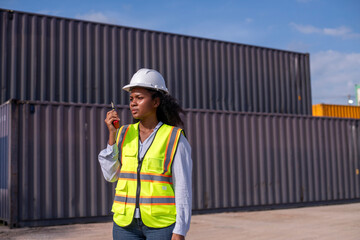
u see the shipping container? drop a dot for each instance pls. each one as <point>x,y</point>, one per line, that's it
<point>4,162</point>
<point>49,58</point>
<point>332,110</point>
<point>240,161</point>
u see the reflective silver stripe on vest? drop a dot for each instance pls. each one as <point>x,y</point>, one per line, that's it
<point>169,150</point>
<point>121,138</point>
<point>125,199</point>
<point>157,200</point>
<point>146,177</point>
<point>162,200</point>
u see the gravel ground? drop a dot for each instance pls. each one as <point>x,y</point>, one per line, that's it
<point>310,223</point>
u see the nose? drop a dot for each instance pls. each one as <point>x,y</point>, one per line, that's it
<point>133,103</point>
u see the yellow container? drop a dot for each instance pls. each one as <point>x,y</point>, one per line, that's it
<point>342,111</point>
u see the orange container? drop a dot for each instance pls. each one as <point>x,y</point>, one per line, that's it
<point>341,111</point>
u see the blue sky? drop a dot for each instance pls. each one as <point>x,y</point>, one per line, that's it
<point>327,29</point>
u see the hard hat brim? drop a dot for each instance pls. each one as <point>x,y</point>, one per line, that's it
<point>144,85</point>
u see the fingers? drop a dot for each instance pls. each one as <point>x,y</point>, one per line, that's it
<point>110,117</point>
<point>111,113</point>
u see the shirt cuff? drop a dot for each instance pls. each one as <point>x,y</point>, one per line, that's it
<point>179,230</point>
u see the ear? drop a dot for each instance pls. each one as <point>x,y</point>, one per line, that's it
<point>157,102</point>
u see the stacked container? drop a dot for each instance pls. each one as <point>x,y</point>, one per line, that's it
<point>47,58</point>
<point>241,161</point>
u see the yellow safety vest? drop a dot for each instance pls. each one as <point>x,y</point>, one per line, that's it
<point>146,183</point>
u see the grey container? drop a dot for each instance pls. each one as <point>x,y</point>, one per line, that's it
<point>241,161</point>
<point>48,58</point>
<point>255,160</point>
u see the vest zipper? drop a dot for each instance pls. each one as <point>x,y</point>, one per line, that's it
<point>140,161</point>
<point>138,184</point>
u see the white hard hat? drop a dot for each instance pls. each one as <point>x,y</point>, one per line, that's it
<point>147,78</point>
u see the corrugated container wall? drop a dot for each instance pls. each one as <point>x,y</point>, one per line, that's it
<point>247,159</point>
<point>341,111</point>
<point>4,162</point>
<point>49,58</point>
<point>240,160</point>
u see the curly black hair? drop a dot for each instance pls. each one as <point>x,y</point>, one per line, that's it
<point>169,109</point>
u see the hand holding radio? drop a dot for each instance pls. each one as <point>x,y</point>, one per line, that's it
<point>116,123</point>
<point>112,120</point>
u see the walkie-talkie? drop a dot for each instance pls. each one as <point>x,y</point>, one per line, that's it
<point>115,122</point>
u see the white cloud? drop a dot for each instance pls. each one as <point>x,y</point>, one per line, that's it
<point>342,31</point>
<point>334,75</point>
<point>121,19</point>
<point>308,29</point>
<point>49,12</point>
<point>98,17</point>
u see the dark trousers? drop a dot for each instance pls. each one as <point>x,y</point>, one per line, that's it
<point>137,230</point>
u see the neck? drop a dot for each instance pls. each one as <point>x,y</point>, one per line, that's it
<point>148,124</point>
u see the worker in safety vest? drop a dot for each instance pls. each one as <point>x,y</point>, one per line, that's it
<point>151,162</point>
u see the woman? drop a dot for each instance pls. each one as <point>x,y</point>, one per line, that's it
<point>151,160</point>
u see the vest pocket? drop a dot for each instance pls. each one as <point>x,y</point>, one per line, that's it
<point>154,165</point>
<point>129,162</point>
<point>163,210</point>
<point>120,200</point>
<point>162,199</point>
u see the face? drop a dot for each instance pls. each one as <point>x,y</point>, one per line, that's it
<point>142,105</point>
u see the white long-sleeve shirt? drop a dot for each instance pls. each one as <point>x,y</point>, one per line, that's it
<point>181,174</point>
